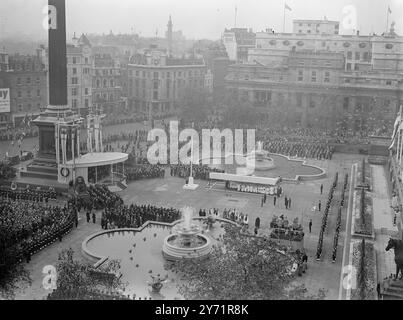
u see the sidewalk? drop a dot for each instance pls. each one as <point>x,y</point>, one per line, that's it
<point>383,222</point>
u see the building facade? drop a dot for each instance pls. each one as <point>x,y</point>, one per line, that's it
<point>160,81</point>
<point>237,42</point>
<point>26,78</point>
<point>106,80</point>
<point>316,26</point>
<point>347,82</point>
<point>79,75</point>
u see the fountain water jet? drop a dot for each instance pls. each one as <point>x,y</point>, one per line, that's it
<point>186,240</point>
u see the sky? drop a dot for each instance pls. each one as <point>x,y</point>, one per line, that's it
<point>198,19</point>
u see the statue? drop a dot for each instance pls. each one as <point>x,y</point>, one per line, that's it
<point>157,283</point>
<point>397,245</point>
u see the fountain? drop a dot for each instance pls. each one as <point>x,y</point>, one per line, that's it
<point>258,159</point>
<point>186,240</point>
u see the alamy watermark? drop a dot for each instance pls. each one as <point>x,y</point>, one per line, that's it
<point>211,144</point>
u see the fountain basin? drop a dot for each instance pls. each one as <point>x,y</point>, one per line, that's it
<point>199,247</point>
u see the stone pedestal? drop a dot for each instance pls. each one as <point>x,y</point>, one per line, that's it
<point>191,185</point>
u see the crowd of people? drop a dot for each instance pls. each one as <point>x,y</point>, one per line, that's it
<point>101,197</point>
<point>14,134</point>
<point>28,195</point>
<point>134,216</point>
<point>299,149</point>
<point>325,215</point>
<point>144,171</point>
<point>199,171</point>
<point>32,226</point>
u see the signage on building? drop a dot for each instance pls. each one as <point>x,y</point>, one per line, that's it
<point>4,100</point>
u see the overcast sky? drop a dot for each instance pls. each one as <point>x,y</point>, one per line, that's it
<point>196,18</point>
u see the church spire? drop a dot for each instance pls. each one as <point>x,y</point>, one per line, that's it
<point>169,35</point>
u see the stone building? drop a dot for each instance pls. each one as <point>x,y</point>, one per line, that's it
<point>106,79</point>
<point>79,76</point>
<point>161,81</point>
<point>26,78</point>
<point>346,82</point>
<point>237,42</point>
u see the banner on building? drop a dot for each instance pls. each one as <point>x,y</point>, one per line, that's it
<point>4,100</point>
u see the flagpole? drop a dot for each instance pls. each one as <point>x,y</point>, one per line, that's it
<point>284,20</point>
<point>387,20</point>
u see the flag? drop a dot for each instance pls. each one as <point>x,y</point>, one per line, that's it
<point>390,11</point>
<point>287,7</point>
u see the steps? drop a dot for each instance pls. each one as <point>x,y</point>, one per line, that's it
<point>41,170</point>
<point>394,291</point>
<point>39,175</point>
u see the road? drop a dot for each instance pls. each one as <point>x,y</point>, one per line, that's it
<point>347,237</point>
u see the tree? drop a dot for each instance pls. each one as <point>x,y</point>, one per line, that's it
<point>6,171</point>
<point>242,267</point>
<point>12,272</point>
<point>194,105</point>
<point>77,280</point>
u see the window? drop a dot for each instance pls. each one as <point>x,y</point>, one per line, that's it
<point>111,97</point>
<point>38,93</point>
<point>323,43</point>
<point>20,107</point>
<point>327,76</point>
<point>388,82</point>
<point>74,91</point>
<point>137,73</point>
<point>74,80</point>
<point>312,104</point>
<point>112,83</point>
<point>19,81</point>
<point>74,60</point>
<point>19,94</point>
<point>300,75</point>
<point>155,95</point>
<point>28,80</point>
<point>357,56</point>
<point>349,55</point>
<point>313,78</point>
<point>86,103</point>
<point>299,100</point>
<point>87,91</point>
<point>98,83</point>
<point>29,94</point>
<point>348,66</point>
<point>74,103</point>
<point>38,81</point>
<point>366,56</point>
<point>356,67</point>
<point>144,74</point>
<point>74,70</point>
<point>155,75</point>
<point>105,83</point>
<point>86,60</point>
<point>309,31</point>
<point>346,80</point>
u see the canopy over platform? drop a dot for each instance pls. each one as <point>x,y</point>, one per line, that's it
<point>97,159</point>
<point>244,179</point>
